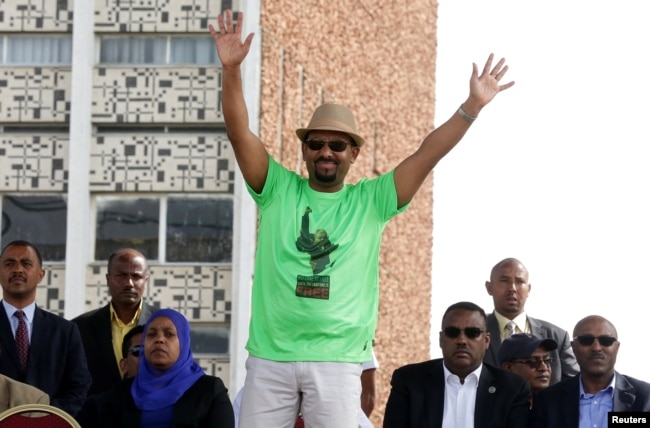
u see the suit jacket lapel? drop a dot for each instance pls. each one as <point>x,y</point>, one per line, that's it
<point>570,402</point>
<point>8,342</point>
<point>102,325</point>
<point>145,313</point>
<point>495,339</point>
<point>484,398</point>
<point>435,390</point>
<point>536,328</point>
<point>624,395</point>
<point>39,338</point>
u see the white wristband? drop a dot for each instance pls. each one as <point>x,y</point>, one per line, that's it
<point>464,115</point>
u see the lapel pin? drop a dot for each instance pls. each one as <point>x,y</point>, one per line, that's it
<point>492,390</point>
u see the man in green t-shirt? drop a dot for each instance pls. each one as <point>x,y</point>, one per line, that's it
<point>315,289</point>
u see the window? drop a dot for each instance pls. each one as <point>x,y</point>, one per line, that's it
<point>159,50</point>
<point>169,229</point>
<point>133,50</point>
<point>199,230</point>
<point>123,222</point>
<point>193,50</point>
<point>41,220</point>
<point>209,340</point>
<point>36,50</point>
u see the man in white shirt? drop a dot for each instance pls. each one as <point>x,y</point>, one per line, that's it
<point>458,390</point>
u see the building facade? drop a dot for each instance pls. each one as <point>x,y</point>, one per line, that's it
<point>112,136</point>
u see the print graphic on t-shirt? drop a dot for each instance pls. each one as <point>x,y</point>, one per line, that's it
<point>317,245</point>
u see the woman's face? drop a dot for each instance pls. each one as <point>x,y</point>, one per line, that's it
<point>161,345</point>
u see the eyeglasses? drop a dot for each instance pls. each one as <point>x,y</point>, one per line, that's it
<point>534,363</point>
<point>588,340</point>
<point>136,351</point>
<point>470,332</point>
<point>335,145</point>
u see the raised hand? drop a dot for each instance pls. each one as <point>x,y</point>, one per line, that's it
<point>485,87</point>
<point>230,48</point>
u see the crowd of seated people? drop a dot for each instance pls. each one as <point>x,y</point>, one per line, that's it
<point>153,380</point>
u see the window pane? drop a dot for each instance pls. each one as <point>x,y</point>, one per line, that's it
<point>133,50</point>
<point>194,50</point>
<point>40,220</point>
<point>39,50</point>
<point>127,223</point>
<point>209,340</point>
<point>199,230</point>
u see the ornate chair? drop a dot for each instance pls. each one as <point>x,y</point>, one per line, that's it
<point>36,416</point>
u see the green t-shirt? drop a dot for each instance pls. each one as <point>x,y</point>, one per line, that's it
<point>315,289</point>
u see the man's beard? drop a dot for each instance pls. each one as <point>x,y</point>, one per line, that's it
<point>325,178</point>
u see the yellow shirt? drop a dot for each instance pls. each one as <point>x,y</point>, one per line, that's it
<point>521,324</point>
<point>119,330</point>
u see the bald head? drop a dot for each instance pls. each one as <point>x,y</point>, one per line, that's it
<point>595,346</point>
<point>510,261</point>
<point>509,287</point>
<point>125,254</point>
<point>585,325</point>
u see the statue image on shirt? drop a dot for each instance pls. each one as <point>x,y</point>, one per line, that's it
<point>317,245</point>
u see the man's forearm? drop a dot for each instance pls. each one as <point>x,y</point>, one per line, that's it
<point>234,107</point>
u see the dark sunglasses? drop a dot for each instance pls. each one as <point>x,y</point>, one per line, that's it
<point>335,146</point>
<point>136,351</point>
<point>588,340</point>
<point>534,363</point>
<point>470,332</point>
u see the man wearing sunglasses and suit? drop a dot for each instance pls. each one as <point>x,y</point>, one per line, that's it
<point>458,390</point>
<point>584,400</point>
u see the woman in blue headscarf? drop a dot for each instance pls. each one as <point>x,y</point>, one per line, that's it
<point>170,389</point>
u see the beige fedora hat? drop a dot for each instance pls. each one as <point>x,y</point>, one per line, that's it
<point>332,117</point>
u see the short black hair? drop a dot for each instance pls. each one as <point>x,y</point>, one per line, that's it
<point>20,243</point>
<point>467,306</point>
<point>126,342</point>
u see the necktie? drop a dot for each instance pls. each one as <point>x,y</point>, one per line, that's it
<point>22,339</point>
<point>510,328</point>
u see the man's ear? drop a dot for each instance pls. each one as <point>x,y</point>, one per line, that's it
<point>488,287</point>
<point>303,149</point>
<point>122,364</point>
<point>355,153</point>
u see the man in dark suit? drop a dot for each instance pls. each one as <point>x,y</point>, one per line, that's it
<point>103,330</point>
<point>509,288</point>
<point>38,348</point>
<point>599,387</point>
<point>458,390</point>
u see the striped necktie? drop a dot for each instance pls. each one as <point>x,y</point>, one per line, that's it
<point>510,328</point>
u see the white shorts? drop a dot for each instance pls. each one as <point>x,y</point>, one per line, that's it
<point>327,394</point>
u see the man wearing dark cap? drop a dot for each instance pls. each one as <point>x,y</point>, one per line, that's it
<point>529,357</point>
<point>315,291</point>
